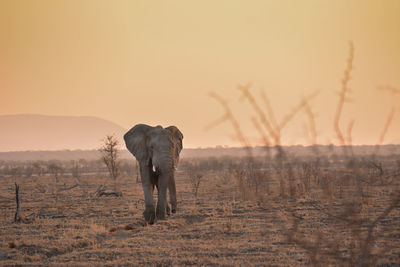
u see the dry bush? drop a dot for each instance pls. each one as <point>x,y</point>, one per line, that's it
<point>195,170</point>
<point>109,155</point>
<point>195,178</point>
<point>252,181</point>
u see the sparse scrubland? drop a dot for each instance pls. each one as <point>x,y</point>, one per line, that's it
<point>259,210</point>
<point>335,205</point>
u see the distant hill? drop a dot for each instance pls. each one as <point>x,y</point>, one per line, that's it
<point>39,132</point>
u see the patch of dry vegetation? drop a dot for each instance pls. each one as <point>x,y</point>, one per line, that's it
<point>233,220</point>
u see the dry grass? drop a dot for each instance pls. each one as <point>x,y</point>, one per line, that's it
<point>231,221</point>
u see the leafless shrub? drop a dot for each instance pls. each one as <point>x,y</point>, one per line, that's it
<point>109,155</point>
<point>76,174</point>
<point>39,168</point>
<point>55,169</point>
<point>195,179</point>
<point>196,172</point>
<point>252,181</point>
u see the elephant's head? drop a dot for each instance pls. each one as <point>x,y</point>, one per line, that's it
<point>155,146</point>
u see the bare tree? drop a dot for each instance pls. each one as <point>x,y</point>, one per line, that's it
<point>109,154</point>
<point>39,168</point>
<point>55,169</point>
<point>17,217</point>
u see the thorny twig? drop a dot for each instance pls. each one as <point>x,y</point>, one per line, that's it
<point>343,95</point>
<point>386,126</point>
<point>228,116</point>
<point>389,88</point>
<point>311,119</point>
<point>269,109</point>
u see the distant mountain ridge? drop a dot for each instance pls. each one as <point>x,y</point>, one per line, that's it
<point>23,132</point>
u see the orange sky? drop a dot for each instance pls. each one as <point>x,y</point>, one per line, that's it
<point>155,62</point>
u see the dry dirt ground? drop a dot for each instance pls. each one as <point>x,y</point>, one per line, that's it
<point>66,228</point>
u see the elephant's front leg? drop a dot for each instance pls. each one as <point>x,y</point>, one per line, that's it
<point>162,196</point>
<point>172,193</point>
<point>149,212</point>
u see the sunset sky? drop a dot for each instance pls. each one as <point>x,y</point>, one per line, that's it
<point>156,62</point>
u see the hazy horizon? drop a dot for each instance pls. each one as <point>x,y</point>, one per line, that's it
<point>140,62</point>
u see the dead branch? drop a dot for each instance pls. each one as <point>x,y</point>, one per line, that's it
<point>269,109</point>
<point>263,118</point>
<point>101,191</point>
<point>296,109</point>
<point>17,217</point>
<point>386,126</point>
<point>228,116</point>
<point>349,137</point>
<point>116,194</point>
<point>311,119</point>
<point>343,95</point>
<point>274,133</point>
<point>389,88</point>
<point>263,136</point>
<point>67,188</point>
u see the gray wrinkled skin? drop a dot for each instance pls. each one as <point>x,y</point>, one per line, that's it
<point>157,150</point>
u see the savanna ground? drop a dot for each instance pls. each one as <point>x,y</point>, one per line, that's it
<point>277,211</point>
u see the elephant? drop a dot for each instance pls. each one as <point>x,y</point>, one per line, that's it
<point>157,151</point>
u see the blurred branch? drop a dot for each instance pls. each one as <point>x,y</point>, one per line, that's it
<point>259,129</point>
<point>389,88</point>
<point>296,109</point>
<point>343,94</point>
<point>366,247</point>
<point>311,119</point>
<point>349,135</point>
<point>386,126</point>
<point>263,118</point>
<point>228,116</point>
<point>274,133</point>
<point>269,110</point>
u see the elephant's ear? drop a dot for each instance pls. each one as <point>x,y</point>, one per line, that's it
<point>136,142</point>
<point>177,138</point>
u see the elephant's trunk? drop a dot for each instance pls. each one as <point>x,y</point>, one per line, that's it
<point>164,164</point>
